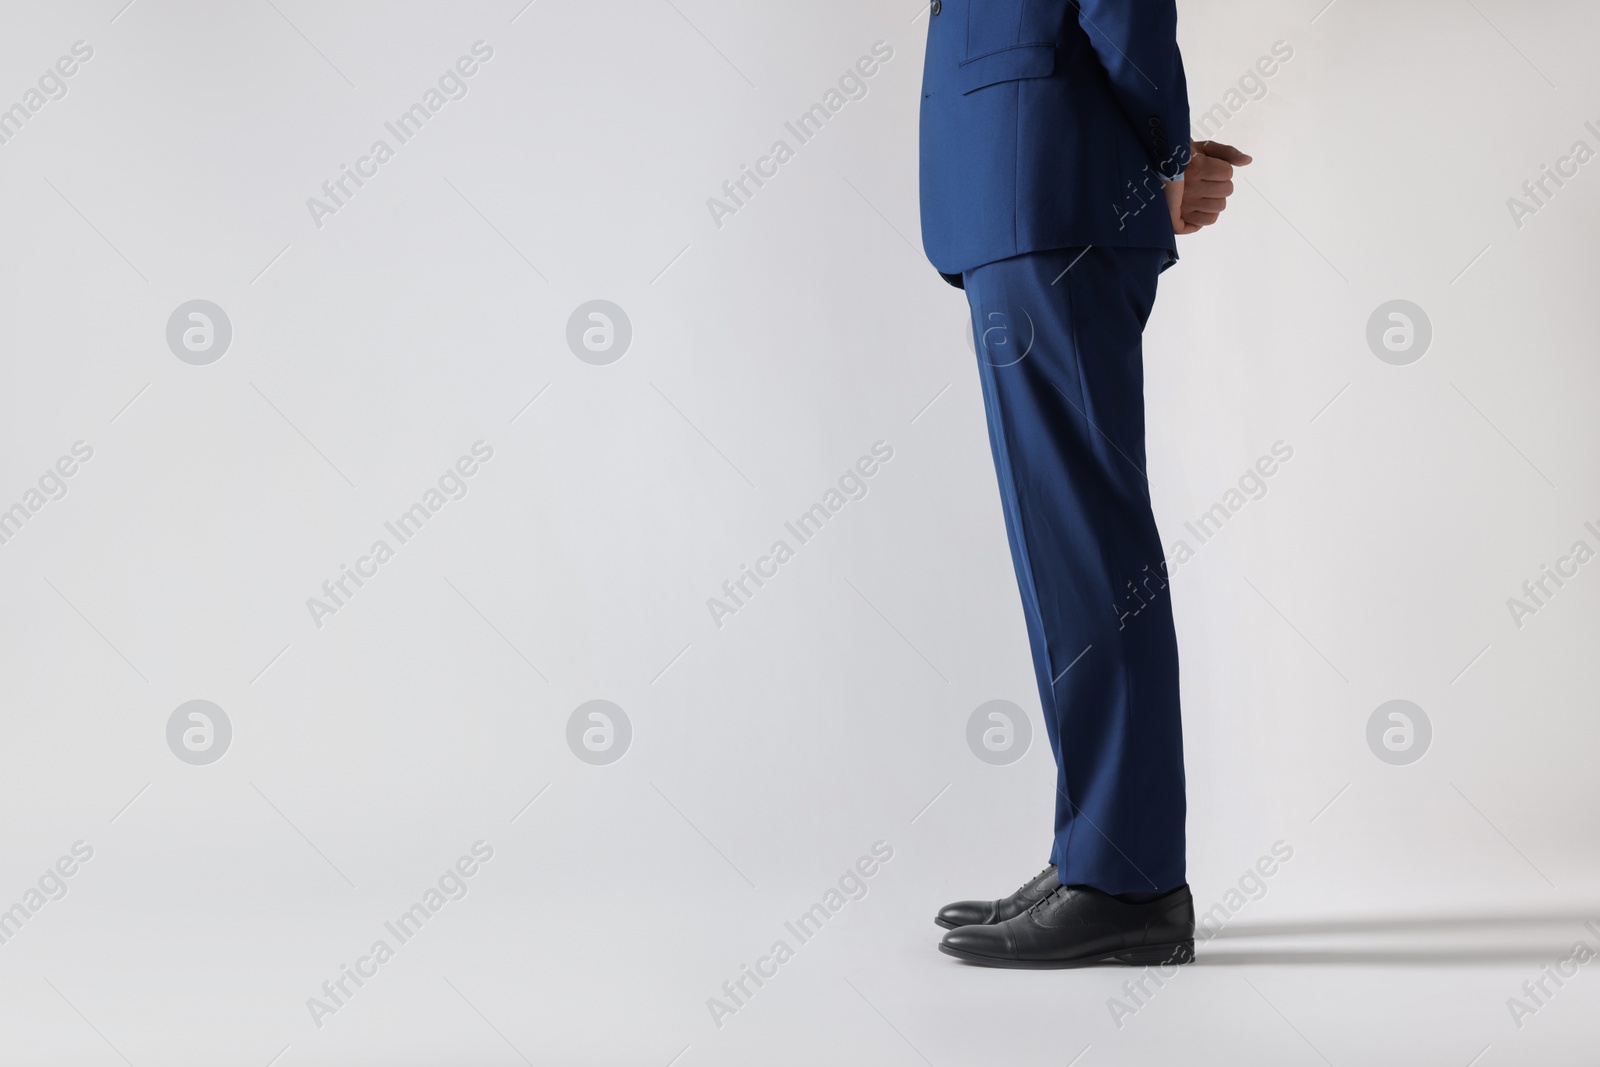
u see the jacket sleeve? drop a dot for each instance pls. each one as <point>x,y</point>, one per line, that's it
<point>1137,42</point>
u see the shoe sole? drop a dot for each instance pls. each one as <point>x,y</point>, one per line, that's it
<point>1145,956</point>
<point>946,923</point>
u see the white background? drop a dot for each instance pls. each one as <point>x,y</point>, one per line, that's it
<point>830,713</point>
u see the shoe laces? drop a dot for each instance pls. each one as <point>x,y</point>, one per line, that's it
<point>1031,881</point>
<point>1048,897</point>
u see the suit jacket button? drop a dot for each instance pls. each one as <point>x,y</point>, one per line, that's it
<point>935,6</point>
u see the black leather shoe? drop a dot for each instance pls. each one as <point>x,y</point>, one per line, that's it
<point>984,912</point>
<point>1078,927</point>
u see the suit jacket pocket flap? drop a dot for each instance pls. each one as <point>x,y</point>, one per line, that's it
<point>1007,64</point>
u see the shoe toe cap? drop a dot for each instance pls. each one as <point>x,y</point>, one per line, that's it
<point>990,941</point>
<point>966,913</point>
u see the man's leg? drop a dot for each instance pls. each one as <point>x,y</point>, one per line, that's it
<point>1063,384</point>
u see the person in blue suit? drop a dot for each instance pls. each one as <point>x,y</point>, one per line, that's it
<point>1056,168</point>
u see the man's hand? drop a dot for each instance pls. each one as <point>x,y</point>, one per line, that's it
<point>1202,196</point>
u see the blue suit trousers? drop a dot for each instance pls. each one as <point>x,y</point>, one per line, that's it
<point>1058,342</point>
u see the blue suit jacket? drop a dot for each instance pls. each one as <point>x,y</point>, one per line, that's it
<point>1049,124</point>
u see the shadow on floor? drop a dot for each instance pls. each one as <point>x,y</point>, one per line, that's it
<point>1416,924</point>
<point>1455,940</point>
